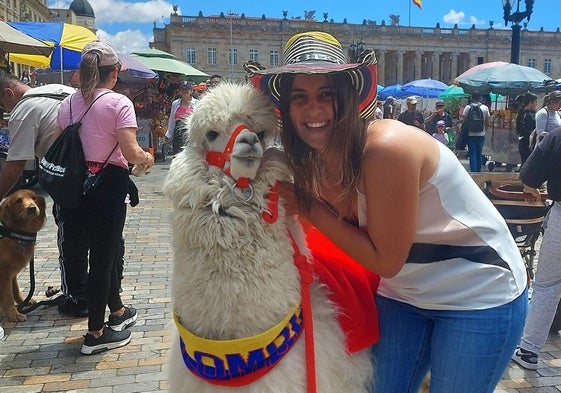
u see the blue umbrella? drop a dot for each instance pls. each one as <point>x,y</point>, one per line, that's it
<point>430,88</point>
<point>392,90</point>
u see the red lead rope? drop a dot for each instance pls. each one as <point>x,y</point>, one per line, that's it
<point>306,278</point>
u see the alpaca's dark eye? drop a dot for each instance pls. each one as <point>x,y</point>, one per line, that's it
<point>211,136</point>
<point>261,135</point>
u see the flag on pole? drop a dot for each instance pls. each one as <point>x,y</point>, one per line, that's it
<point>418,3</point>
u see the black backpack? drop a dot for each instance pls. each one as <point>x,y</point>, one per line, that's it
<point>63,171</point>
<point>475,121</point>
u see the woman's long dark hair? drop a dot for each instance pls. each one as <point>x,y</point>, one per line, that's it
<point>346,145</point>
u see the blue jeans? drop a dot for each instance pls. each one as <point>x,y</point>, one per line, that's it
<point>475,150</point>
<point>466,351</point>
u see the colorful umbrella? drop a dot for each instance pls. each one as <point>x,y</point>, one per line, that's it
<point>392,90</point>
<point>158,60</point>
<point>453,92</point>
<point>13,40</point>
<point>503,78</point>
<point>132,73</point>
<point>67,41</point>
<point>424,88</point>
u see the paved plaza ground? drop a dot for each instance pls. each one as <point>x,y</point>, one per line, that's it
<point>42,354</point>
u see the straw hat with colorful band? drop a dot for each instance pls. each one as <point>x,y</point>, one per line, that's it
<point>317,52</point>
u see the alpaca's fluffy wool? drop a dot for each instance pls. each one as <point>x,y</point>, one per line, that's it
<point>234,274</point>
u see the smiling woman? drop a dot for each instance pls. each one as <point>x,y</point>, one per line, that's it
<point>387,194</point>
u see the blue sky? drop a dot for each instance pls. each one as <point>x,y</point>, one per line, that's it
<point>127,24</point>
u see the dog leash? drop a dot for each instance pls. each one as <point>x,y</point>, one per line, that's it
<point>25,307</point>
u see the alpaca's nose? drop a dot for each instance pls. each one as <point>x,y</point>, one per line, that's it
<point>248,137</point>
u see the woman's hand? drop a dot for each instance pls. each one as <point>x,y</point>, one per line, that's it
<point>531,194</point>
<point>288,195</point>
<point>149,160</point>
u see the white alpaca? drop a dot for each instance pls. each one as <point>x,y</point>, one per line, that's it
<point>234,274</point>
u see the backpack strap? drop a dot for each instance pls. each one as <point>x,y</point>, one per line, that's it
<point>55,96</point>
<point>89,107</point>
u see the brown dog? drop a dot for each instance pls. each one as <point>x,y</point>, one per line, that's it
<point>22,215</point>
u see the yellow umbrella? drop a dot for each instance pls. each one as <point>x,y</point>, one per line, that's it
<point>67,41</point>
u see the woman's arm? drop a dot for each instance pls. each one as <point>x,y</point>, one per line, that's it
<point>132,151</point>
<point>171,120</point>
<point>541,120</point>
<point>395,164</point>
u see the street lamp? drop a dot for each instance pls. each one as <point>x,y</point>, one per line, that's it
<point>516,18</point>
<point>355,49</point>
<point>231,57</point>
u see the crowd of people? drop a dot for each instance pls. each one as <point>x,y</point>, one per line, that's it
<point>453,293</point>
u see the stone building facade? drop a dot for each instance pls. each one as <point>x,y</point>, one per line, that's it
<point>221,44</point>
<point>24,10</point>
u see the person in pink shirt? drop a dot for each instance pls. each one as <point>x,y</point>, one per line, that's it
<point>180,109</point>
<point>108,135</point>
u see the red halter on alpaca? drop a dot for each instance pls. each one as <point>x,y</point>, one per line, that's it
<point>219,159</point>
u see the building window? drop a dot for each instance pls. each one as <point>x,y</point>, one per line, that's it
<point>547,66</point>
<point>532,62</point>
<point>480,60</point>
<point>274,58</point>
<point>211,54</point>
<point>190,55</point>
<point>232,57</point>
<point>253,55</point>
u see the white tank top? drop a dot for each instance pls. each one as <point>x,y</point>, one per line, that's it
<point>463,256</point>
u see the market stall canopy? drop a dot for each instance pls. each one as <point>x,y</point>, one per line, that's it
<point>430,88</point>
<point>13,40</point>
<point>161,61</point>
<point>503,78</point>
<point>453,92</point>
<point>67,41</point>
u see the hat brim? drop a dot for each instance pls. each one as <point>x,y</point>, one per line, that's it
<point>363,77</point>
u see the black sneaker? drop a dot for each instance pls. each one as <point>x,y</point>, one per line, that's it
<point>124,321</point>
<point>74,307</point>
<point>525,359</point>
<point>110,339</point>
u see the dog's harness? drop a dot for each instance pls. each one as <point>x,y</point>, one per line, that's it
<point>25,239</point>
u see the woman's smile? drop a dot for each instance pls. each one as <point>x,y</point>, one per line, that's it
<point>312,108</point>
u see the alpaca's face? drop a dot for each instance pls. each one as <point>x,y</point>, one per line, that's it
<point>230,109</point>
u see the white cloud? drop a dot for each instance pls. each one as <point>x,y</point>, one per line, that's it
<point>453,17</point>
<point>117,11</point>
<point>473,20</point>
<point>126,41</point>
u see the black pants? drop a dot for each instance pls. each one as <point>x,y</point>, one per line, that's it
<point>101,218</point>
<point>178,140</point>
<point>524,148</point>
<point>72,244</point>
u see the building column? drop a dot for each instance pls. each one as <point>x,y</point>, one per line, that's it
<point>453,67</point>
<point>436,66</point>
<point>418,64</point>
<point>381,57</point>
<point>400,67</point>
